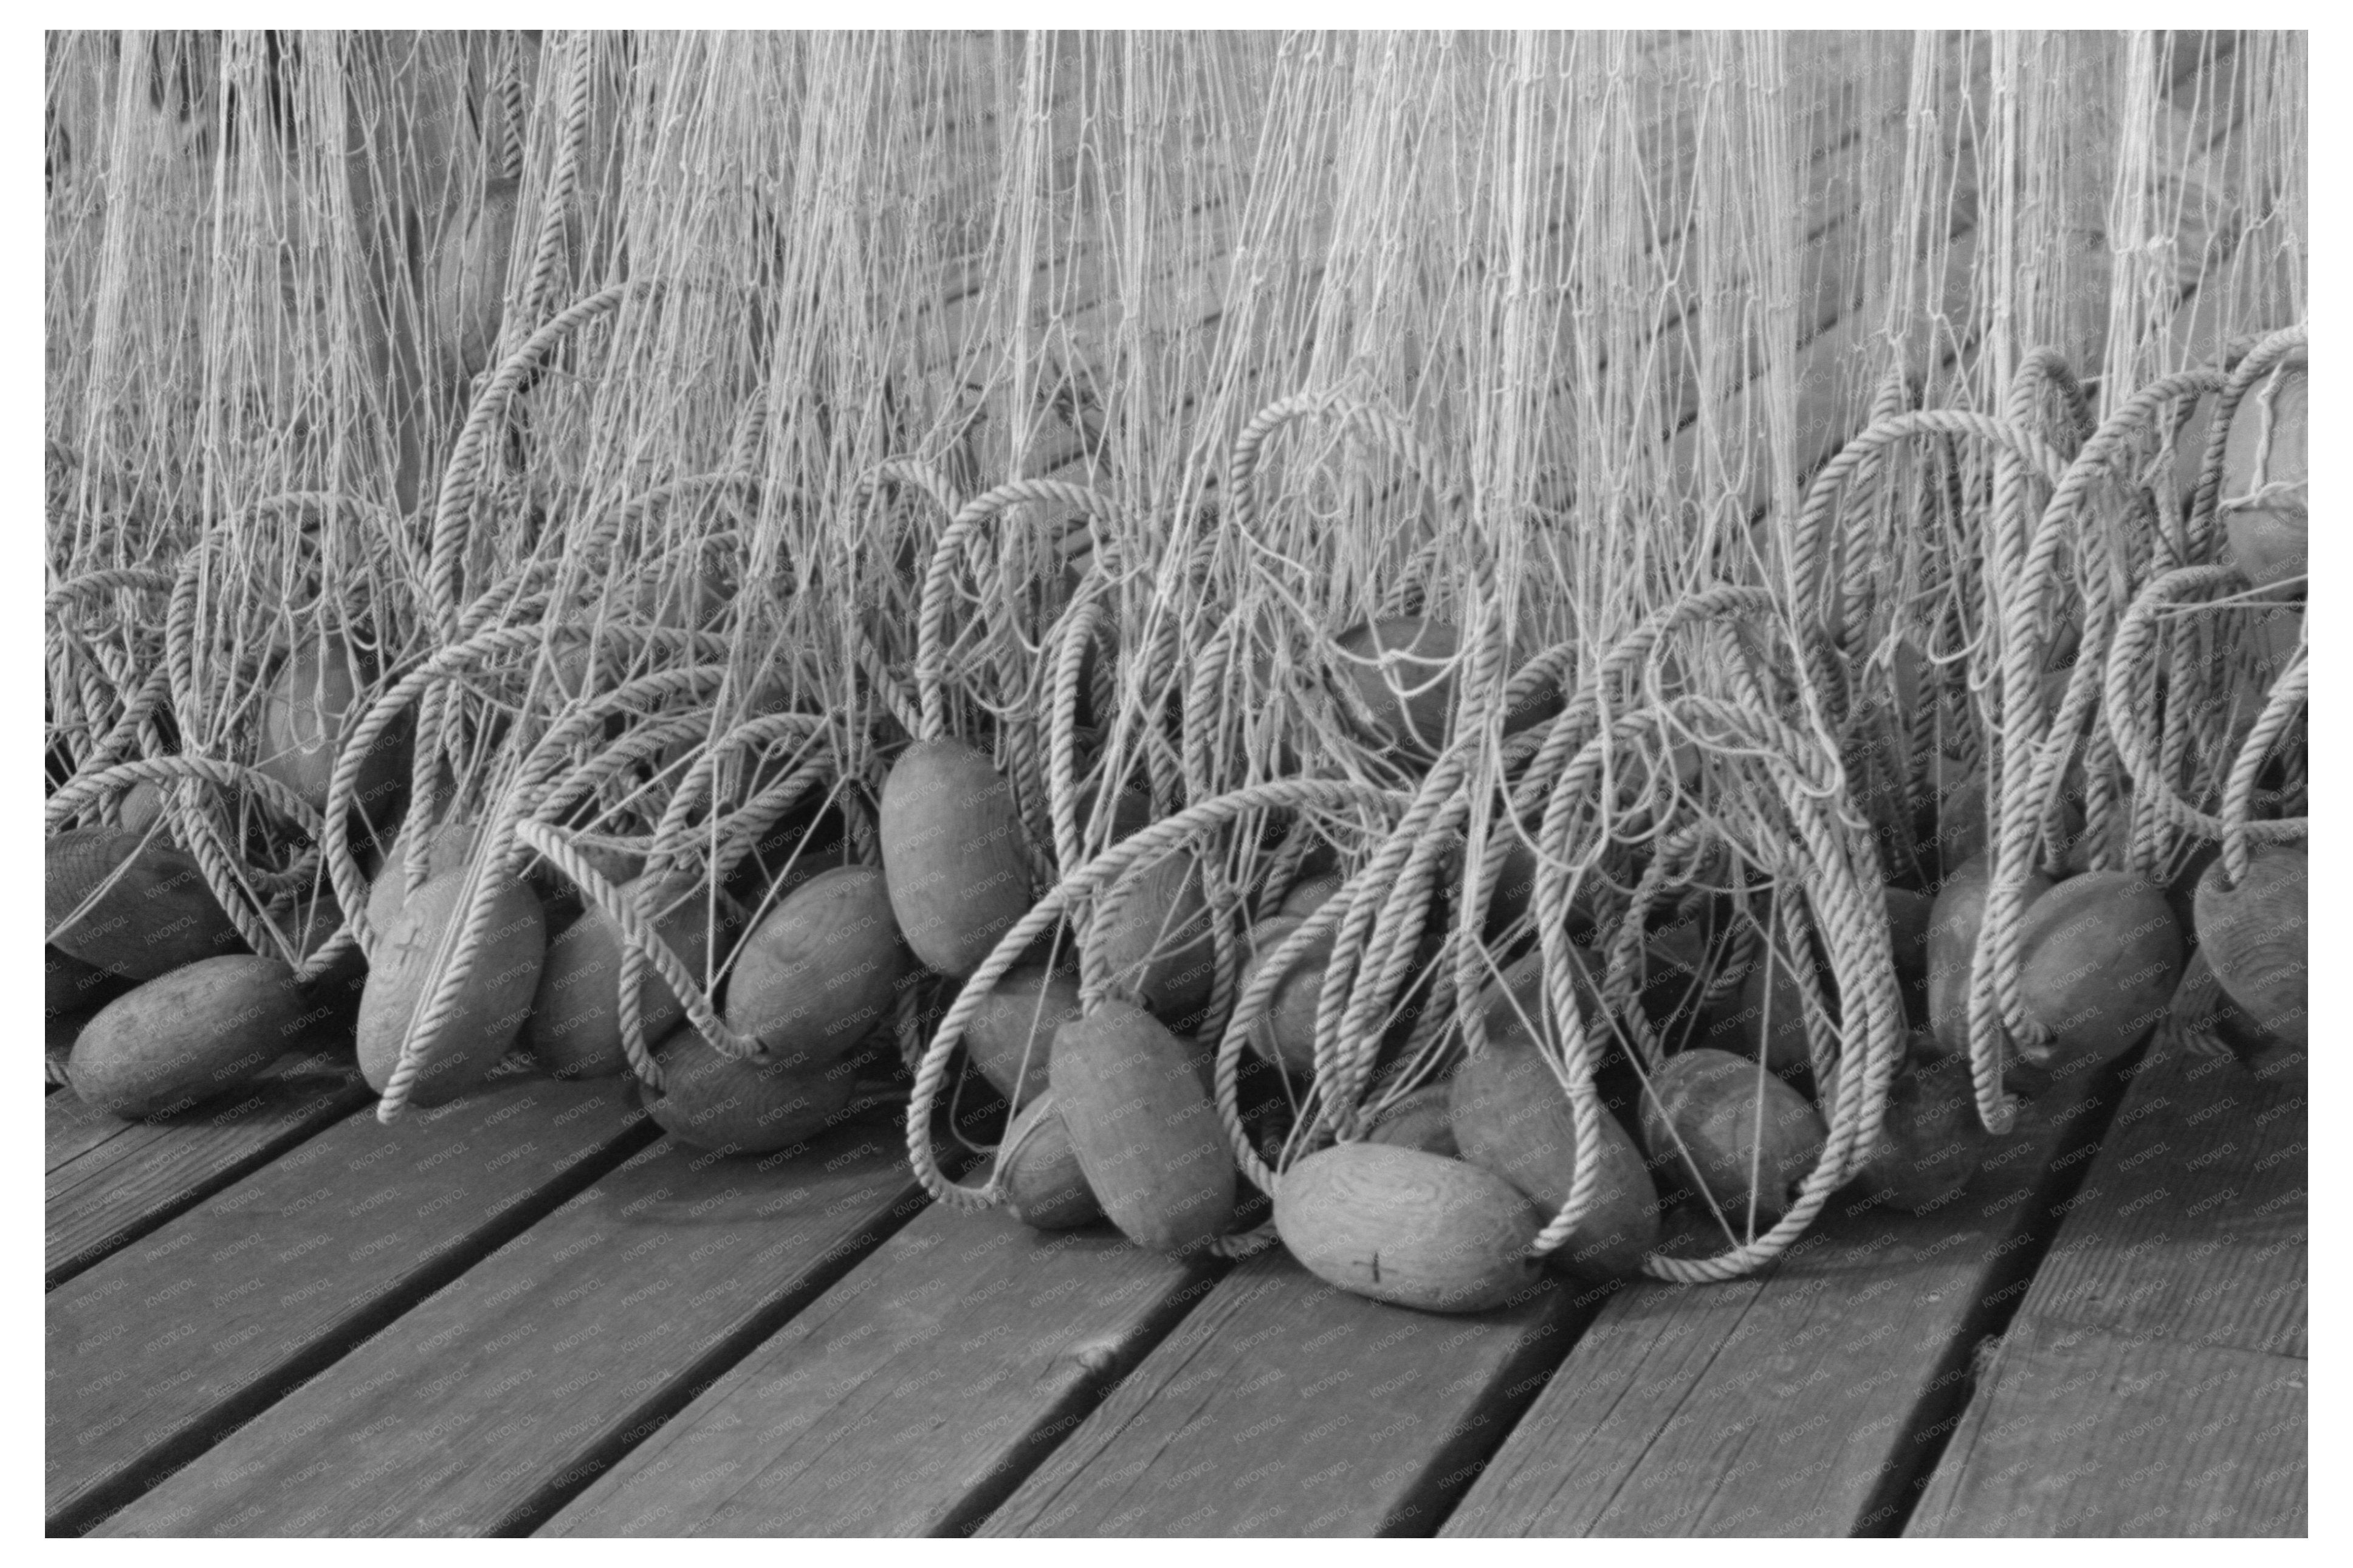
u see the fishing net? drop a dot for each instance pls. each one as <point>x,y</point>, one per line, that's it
<point>1601,508</point>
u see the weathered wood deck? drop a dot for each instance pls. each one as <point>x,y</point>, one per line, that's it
<point>527,1313</point>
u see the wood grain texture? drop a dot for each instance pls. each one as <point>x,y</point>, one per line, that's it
<point>2157,1360</point>
<point>1830,126</point>
<point>1829,410</point>
<point>121,1187</point>
<point>157,1350</point>
<point>1779,1405</point>
<point>2082,1432</point>
<point>1283,1406</point>
<point>1192,282</point>
<point>71,1129</point>
<point>909,1399</point>
<point>2191,1225</point>
<point>543,1362</point>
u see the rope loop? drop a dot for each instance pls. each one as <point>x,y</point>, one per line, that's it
<point>455,502</point>
<point>1247,451</point>
<point>2287,700</point>
<point>77,590</point>
<point>396,699</point>
<point>511,837</point>
<point>632,913</point>
<point>2128,653</point>
<point>2279,348</point>
<point>231,885</point>
<point>1823,496</point>
<point>1104,871</point>
<point>945,551</point>
<point>1830,860</point>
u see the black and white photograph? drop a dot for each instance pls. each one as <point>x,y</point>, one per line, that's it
<point>1176,783</point>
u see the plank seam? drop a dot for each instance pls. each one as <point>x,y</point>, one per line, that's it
<point>327,1114</point>
<point>1446,1479</point>
<point>1067,1414</point>
<point>690,1381</point>
<point>93,1508</point>
<point>1965,1369</point>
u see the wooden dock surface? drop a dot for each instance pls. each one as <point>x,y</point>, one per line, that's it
<point>521,1314</point>
<point>528,1313</point>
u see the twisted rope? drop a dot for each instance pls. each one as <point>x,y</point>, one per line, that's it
<point>236,899</point>
<point>2276,348</point>
<point>74,591</point>
<point>1080,625</point>
<point>640,941</point>
<point>180,633</point>
<point>507,95</point>
<point>700,780</point>
<point>342,868</point>
<point>1835,859</point>
<point>461,943</point>
<point>2287,700</point>
<point>962,528</point>
<point>1104,870</point>
<point>455,502</point>
<point>1242,462</point>
<point>1806,540</point>
<point>137,717</point>
<point>564,180</point>
<point>2126,653</point>
<point>512,836</point>
<point>1857,585</point>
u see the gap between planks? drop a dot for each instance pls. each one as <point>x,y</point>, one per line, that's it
<point>1907,1404</point>
<point>120,1181</point>
<point>2155,1380</point>
<point>486,1406</point>
<point>280,1275</point>
<point>1794,1402</point>
<point>912,1397</point>
<point>1283,1405</point>
<point>707,1445</point>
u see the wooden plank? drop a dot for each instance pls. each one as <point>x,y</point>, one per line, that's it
<point>2173,1301</point>
<point>1826,297</point>
<point>909,1400</point>
<point>157,1351</point>
<point>1066,1495</point>
<point>122,1186</point>
<point>1195,287</point>
<point>1788,1403</point>
<point>481,1408</point>
<point>1283,1406</point>
<point>2191,1225</point>
<point>1197,291</point>
<point>70,1129</point>
<point>1827,410</point>
<point>1713,1460</point>
<point>2083,1432</point>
